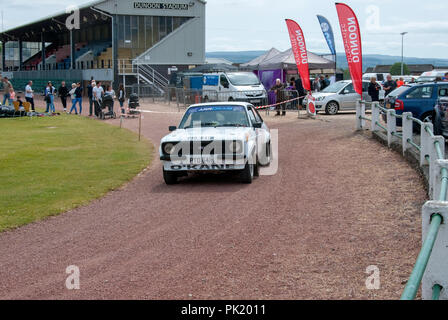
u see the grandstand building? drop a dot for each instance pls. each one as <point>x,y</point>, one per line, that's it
<point>116,41</point>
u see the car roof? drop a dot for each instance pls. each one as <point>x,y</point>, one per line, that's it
<point>229,103</point>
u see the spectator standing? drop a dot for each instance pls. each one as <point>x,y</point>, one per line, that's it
<point>63,94</point>
<point>49,97</point>
<point>323,83</point>
<point>300,91</point>
<point>121,98</point>
<point>400,82</point>
<point>327,81</point>
<point>374,90</point>
<point>389,85</point>
<point>12,96</point>
<point>90,95</point>
<point>98,93</point>
<point>78,93</point>
<point>72,94</point>
<point>294,95</point>
<point>316,84</point>
<point>6,90</point>
<point>445,78</point>
<point>29,94</point>
<point>279,88</point>
<point>110,92</point>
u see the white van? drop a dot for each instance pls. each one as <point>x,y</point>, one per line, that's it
<point>233,86</point>
<point>379,76</point>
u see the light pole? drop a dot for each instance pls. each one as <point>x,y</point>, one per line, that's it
<point>402,50</point>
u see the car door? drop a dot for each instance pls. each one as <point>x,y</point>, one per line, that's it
<point>348,97</point>
<point>420,100</point>
<point>260,133</point>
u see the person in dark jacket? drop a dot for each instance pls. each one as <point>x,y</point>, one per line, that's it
<point>90,87</point>
<point>63,94</point>
<point>374,90</point>
<point>389,85</point>
<point>301,91</point>
<point>279,89</point>
<point>78,94</point>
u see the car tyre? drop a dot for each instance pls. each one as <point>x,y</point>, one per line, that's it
<point>247,174</point>
<point>170,177</point>
<point>332,108</point>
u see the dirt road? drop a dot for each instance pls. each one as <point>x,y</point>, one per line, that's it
<point>338,204</point>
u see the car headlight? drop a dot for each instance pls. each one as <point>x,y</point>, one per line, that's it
<point>168,148</point>
<point>235,146</point>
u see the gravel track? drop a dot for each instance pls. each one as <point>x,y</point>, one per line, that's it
<point>308,232</point>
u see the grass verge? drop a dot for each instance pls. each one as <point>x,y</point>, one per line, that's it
<point>52,165</point>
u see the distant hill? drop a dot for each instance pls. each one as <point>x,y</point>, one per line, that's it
<point>369,60</point>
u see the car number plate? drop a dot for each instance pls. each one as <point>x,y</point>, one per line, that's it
<point>255,101</point>
<point>202,160</point>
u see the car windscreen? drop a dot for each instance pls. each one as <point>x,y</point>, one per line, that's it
<point>398,91</point>
<point>335,87</point>
<point>243,79</point>
<point>215,116</point>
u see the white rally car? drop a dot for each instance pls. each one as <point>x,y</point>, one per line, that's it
<point>226,136</point>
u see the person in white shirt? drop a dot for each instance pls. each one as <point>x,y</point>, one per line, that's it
<point>29,94</point>
<point>98,93</point>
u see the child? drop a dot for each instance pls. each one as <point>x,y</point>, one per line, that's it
<point>12,96</point>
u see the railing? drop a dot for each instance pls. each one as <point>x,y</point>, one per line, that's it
<point>431,267</point>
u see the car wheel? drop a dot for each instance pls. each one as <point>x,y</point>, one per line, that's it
<point>256,169</point>
<point>247,175</point>
<point>332,108</point>
<point>170,177</point>
<point>267,154</point>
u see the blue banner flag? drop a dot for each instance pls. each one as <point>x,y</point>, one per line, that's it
<point>328,33</point>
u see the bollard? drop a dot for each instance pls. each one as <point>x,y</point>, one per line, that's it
<point>437,269</point>
<point>360,113</point>
<point>375,116</point>
<point>391,126</point>
<point>407,131</point>
<point>425,142</point>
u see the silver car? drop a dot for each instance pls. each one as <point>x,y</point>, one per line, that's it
<point>341,96</point>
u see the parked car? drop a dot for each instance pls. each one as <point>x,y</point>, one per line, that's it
<point>441,114</point>
<point>420,99</point>
<point>430,76</point>
<point>212,137</point>
<point>341,96</point>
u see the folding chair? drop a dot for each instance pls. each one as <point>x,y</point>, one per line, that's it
<point>16,105</point>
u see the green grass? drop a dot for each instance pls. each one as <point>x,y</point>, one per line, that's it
<point>51,165</point>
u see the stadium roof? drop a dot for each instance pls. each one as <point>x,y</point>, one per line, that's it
<point>51,25</point>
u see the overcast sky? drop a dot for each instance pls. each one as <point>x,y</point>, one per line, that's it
<point>259,24</point>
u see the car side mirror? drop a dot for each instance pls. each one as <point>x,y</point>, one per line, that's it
<point>257,125</point>
<point>172,128</point>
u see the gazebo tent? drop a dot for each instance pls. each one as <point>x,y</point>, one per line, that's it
<point>255,63</point>
<point>286,61</point>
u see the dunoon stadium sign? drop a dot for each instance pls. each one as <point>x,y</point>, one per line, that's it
<point>163,6</point>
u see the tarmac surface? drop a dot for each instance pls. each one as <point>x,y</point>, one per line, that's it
<point>339,203</point>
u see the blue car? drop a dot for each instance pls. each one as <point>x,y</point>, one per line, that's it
<point>419,99</point>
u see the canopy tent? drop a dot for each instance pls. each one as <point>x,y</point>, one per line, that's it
<point>254,64</point>
<point>285,60</point>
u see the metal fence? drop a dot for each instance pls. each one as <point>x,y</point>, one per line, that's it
<point>431,267</point>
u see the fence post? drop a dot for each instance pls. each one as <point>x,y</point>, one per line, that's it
<point>435,167</point>
<point>437,268</point>
<point>360,113</point>
<point>375,116</point>
<point>391,126</point>
<point>407,131</point>
<point>425,142</point>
